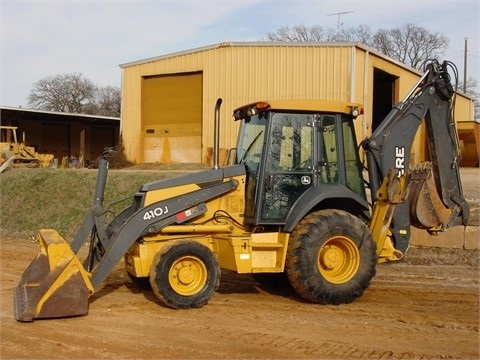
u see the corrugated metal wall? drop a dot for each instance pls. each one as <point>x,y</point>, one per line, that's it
<point>243,73</point>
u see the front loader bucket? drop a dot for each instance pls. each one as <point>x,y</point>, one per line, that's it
<point>55,284</point>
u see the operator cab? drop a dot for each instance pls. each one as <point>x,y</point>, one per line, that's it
<point>296,151</point>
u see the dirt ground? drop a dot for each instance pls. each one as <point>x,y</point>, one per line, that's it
<point>424,307</point>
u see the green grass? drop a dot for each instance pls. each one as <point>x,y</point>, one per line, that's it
<point>31,199</point>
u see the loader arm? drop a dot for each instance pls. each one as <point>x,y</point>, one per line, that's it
<point>175,210</point>
<point>56,284</point>
<point>436,192</point>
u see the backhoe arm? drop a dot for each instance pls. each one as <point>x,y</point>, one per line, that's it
<point>437,195</point>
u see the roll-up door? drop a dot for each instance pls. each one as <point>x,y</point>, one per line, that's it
<point>172,118</point>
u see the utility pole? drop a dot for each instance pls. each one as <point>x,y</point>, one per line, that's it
<point>465,67</point>
<point>338,17</point>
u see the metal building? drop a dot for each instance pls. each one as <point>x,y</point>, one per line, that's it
<point>65,135</point>
<point>168,101</point>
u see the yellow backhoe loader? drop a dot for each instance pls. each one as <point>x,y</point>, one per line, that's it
<point>294,201</point>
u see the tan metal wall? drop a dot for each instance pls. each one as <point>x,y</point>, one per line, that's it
<point>240,74</point>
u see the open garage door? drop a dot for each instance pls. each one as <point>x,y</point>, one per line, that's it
<point>383,96</point>
<point>172,118</point>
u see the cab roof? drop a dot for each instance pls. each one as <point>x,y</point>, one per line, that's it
<point>305,105</point>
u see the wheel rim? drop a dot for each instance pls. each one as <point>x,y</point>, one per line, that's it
<point>339,260</point>
<point>188,275</point>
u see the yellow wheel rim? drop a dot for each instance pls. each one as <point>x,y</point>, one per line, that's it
<point>339,260</point>
<point>188,275</point>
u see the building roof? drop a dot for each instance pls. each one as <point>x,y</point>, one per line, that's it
<point>270,44</point>
<point>39,114</point>
<point>302,105</point>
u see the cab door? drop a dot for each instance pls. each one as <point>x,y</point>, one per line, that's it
<point>289,170</point>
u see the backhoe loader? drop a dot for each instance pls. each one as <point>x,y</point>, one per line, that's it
<point>293,201</point>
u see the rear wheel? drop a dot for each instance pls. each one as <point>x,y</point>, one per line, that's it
<point>331,257</point>
<point>184,274</point>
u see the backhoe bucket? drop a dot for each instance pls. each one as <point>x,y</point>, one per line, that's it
<point>55,284</point>
<point>427,210</point>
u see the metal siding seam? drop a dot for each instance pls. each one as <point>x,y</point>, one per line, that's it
<point>353,82</point>
<point>365,94</point>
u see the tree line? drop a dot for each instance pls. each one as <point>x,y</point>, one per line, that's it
<point>73,93</point>
<point>409,44</point>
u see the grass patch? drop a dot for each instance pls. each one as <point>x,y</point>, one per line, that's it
<point>32,199</point>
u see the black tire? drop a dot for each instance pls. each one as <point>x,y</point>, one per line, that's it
<point>331,257</point>
<point>184,274</point>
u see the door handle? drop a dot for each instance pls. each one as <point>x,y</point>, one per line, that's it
<point>269,185</point>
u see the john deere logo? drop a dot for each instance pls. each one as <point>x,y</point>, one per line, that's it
<point>306,180</point>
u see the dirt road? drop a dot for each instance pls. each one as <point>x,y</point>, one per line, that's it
<point>420,308</point>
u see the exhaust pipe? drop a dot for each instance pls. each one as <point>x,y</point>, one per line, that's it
<point>216,135</point>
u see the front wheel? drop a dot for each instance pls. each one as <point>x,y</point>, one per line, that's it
<point>184,274</point>
<point>331,257</point>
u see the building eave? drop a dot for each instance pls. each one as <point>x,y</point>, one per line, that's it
<point>59,113</point>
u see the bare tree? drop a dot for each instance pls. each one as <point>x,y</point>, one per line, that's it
<point>63,93</point>
<point>301,33</point>
<point>107,102</point>
<point>410,44</point>
<point>74,94</point>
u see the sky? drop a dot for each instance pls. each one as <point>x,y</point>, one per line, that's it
<point>48,38</point>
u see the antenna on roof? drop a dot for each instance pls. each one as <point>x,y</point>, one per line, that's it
<point>338,17</point>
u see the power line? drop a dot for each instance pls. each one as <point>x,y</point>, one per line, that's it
<point>465,67</point>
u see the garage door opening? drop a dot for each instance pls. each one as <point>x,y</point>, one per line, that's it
<point>172,118</point>
<point>383,96</point>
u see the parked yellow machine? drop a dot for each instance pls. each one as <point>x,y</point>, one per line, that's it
<point>20,151</point>
<point>293,202</point>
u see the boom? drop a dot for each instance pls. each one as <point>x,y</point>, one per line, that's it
<point>390,146</point>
